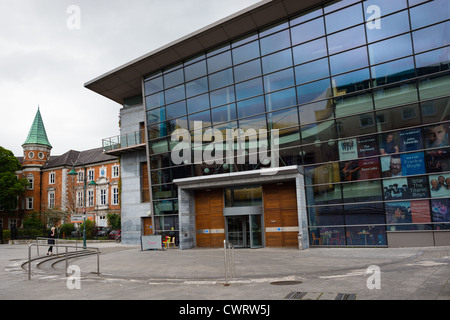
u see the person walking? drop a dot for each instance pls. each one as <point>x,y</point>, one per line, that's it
<point>51,241</point>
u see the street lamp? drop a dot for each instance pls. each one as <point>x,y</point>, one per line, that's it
<point>91,183</point>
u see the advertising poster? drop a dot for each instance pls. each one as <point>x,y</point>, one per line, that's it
<point>348,149</point>
<point>436,135</point>
<point>413,163</point>
<point>420,211</point>
<point>405,188</point>
<point>440,185</point>
<point>354,170</point>
<point>410,140</point>
<point>439,209</point>
<point>438,160</point>
<point>398,212</point>
<point>367,147</point>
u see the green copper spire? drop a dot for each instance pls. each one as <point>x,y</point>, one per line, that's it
<point>37,134</point>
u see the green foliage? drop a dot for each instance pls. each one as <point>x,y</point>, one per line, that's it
<point>114,221</point>
<point>32,221</point>
<point>89,228</point>
<point>66,229</point>
<point>10,186</point>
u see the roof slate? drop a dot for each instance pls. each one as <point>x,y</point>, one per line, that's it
<point>80,158</point>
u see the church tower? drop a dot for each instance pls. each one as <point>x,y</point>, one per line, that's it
<point>36,153</point>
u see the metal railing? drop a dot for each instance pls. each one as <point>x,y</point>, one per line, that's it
<point>67,255</point>
<point>229,259</point>
<point>124,141</point>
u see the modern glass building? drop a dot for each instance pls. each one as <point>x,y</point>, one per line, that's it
<point>359,93</point>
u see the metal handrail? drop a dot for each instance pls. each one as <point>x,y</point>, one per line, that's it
<point>56,242</point>
<point>229,259</point>
<point>66,255</point>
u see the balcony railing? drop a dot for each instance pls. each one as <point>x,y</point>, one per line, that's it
<point>128,141</point>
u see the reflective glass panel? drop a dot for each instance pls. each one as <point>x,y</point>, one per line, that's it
<point>281,99</point>
<point>275,42</point>
<point>154,100</point>
<point>397,94</point>
<point>224,113</point>
<point>317,111</point>
<point>196,87</point>
<point>219,62</point>
<point>222,96</point>
<point>317,153</point>
<point>277,61</point>
<point>312,71</point>
<point>429,13</point>
<point>350,60</point>
<point>395,71</point>
<point>314,91</point>
<point>431,37</point>
<point>257,122</point>
<point>204,117</point>
<point>173,78</point>
<point>176,110</point>
<point>247,70</point>
<point>310,51</point>
<point>389,26</point>
<point>390,49</point>
<point>175,93</point>
<point>198,103</point>
<point>346,39</point>
<point>308,31</point>
<point>351,82</point>
<point>246,52</point>
<point>386,7</point>
<point>397,118</point>
<point>353,103</point>
<point>279,80</point>
<point>220,79</point>
<point>250,107</point>
<point>344,18</point>
<point>284,119</point>
<point>436,110</point>
<point>434,61</point>
<point>322,131</point>
<point>195,70</point>
<point>249,88</point>
<point>154,85</point>
<point>365,191</point>
<point>434,86</point>
<point>156,115</point>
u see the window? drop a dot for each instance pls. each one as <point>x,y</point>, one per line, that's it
<point>115,196</point>
<point>80,176</point>
<point>30,179</point>
<point>51,199</point>
<point>51,178</point>
<point>115,171</point>
<point>29,203</point>
<point>103,200</point>
<point>79,199</point>
<point>91,174</point>
<point>90,199</point>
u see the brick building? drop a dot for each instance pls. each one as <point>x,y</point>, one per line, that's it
<point>52,189</point>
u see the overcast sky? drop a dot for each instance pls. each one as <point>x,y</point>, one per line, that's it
<point>45,63</point>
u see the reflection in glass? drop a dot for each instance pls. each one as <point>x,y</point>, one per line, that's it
<point>153,85</point>
<point>434,86</point>
<point>317,111</point>
<point>344,18</point>
<point>351,82</point>
<point>219,62</point>
<point>195,70</point>
<point>279,80</point>
<point>362,191</point>
<point>175,94</point>
<point>176,110</point>
<point>395,71</point>
<point>397,118</point>
<point>431,37</point>
<point>392,95</point>
<point>222,96</point>
<point>350,60</point>
<point>224,113</point>
<point>277,61</point>
<point>275,42</point>
<point>314,91</point>
<point>246,52</point>
<point>391,25</point>
<point>434,61</point>
<point>429,13</point>
<point>347,39</point>
<point>196,87</point>
<point>198,103</point>
<point>436,110</point>
<point>312,71</point>
<point>220,79</point>
<point>249,88</point>
<point>310,51</point>
<point>247,70</point>
<point>353,103</point>
<point>173,78</point>
<point>281,99</point>
<point>390,49</point>
<point>250,107</point>
<point>307,31</point>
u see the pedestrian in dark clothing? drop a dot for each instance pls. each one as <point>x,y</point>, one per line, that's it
<point>51,242</point>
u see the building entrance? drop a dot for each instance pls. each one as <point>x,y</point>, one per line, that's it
<point>244,231</point>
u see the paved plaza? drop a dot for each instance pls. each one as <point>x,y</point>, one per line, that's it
<point>126,272</point>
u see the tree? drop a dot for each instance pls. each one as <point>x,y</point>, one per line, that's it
<point>114,221</point>
<point>10,186</point>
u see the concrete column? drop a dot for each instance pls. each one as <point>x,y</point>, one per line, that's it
<point>302,211</point>
<point>186,216</point>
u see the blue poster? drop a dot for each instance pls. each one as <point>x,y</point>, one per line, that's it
<point>410,140</point>
<point>413,163</point>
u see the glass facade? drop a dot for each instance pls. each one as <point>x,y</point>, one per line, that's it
<point>360,93</point>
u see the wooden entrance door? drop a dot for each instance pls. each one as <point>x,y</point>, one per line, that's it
<point>280,214</point>
<point>209,219</point>
<point>148,229</point>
